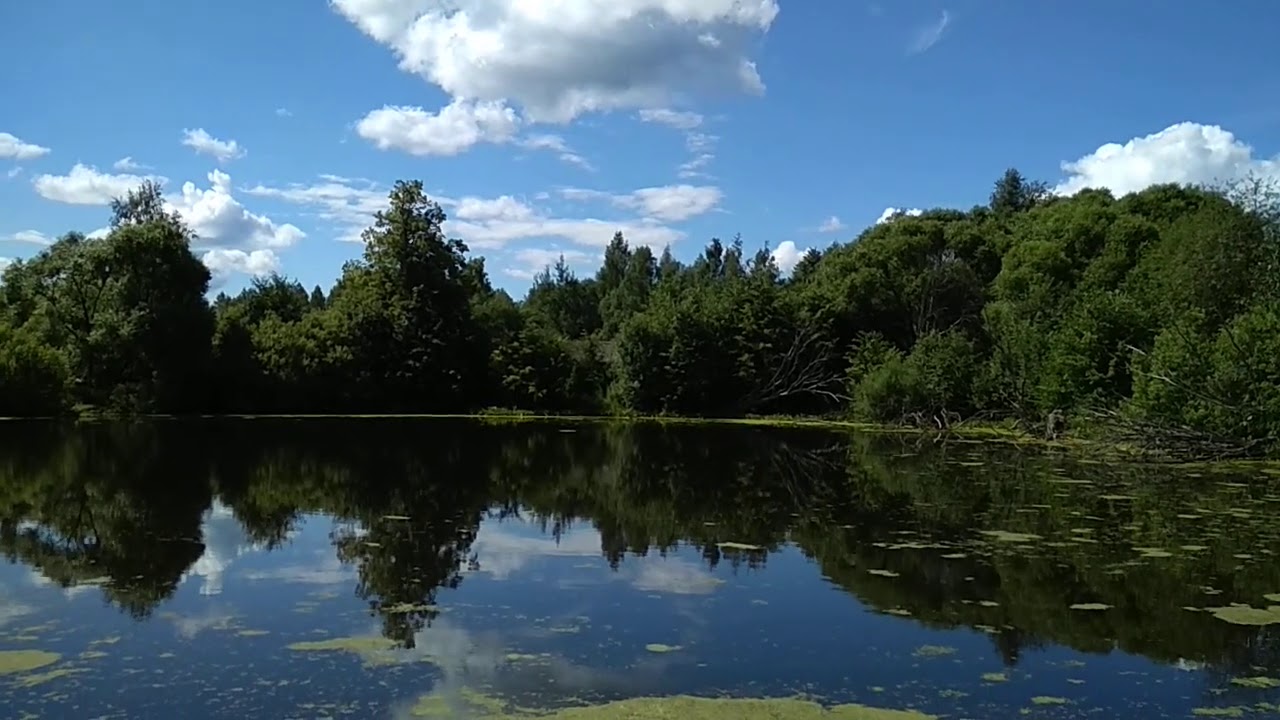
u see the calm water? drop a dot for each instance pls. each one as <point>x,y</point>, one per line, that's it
<point>348,568</point>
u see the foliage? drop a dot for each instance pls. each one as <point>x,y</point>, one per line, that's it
<point>1155,305</point>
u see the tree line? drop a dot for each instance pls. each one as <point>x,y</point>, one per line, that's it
<point>1160,307</point>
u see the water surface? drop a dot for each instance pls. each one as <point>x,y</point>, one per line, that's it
<point>402,568</point>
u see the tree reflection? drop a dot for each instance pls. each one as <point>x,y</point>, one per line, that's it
<point>124,504</point>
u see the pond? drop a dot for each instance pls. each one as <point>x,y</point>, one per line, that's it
<point>401,568</point>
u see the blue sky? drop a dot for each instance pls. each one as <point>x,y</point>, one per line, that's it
<point>542,127</point>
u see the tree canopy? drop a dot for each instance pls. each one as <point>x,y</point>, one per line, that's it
<point>1160,306</point>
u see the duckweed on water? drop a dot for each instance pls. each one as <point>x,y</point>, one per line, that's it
<point>1245,615</point>
<point>34,679</point>
<point>374,650</point>
<point>684,707</point>
<point>252,633</point>
<point>933,651</point>
<point>1090,606</point>
<point>19,661</point>
<point>1259,682</point>
<point>660,648</point>
<point>883,573</point>
<point>1227,712</point>
<point>1048,700</point>
<point>1010,537</point>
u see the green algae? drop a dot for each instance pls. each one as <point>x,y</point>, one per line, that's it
<point>995,677</point>
<point>20,661</point>
<point>372,649</point>
<point>1272,597</point>
<point>883,573</point>
<point>34,679</point>
<point>1091,606</point>
<point>1227,712</point>
<point>1245,615</point>
<point>660,648</point>
<point>1153,552</point>
<point>1048,700</point>
<point>933,651</point>
<point>92,655</point>
<point>1260,682</point>
<point>463,703</point>
<point>697,708</point>
<point>252,633</point>
<point>1010,537</point>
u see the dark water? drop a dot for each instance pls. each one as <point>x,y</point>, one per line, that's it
<point>171,566</point>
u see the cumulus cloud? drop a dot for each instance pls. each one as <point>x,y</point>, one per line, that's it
<point>14,148</point>
<point>891,213</point>
<point>831,224</point>
<point>456,127</point>
<point>205,144</point>
<point>85,185</point>
<point>223,262</point>
<point>670,203</point>
<point>221,221</point>
<point>557,61</point>
<point>5,262</point>
<point>786,255</point>
<point>1183,153</point>
<point>929,35</point>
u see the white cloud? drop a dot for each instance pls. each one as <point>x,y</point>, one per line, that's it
<point>223,262</point>
<point>348,203</point>
<point>929,35</point>
<point>34,237</point>
<point>504,207</point>
<point>205,144</point>
<point>456,127</point>
<point>555,144</point>
<point>694,167</point>
<point>559,60</point>
<point>128,164</point>
<point>1183,153</point>
<point>531,261</point>
<point>14,148</point>
<point>84,185</point>
<point>786,255</point>
<point>831,224</point>
<point>670,203</point>
<point>500,552</point>
<point>681,120</point>
<point>13,172</point>
<point>283,112</point>
<point>224,541</point>
<point>5,262</point>
<point>482,223</point>
<point>674,576</point>
<point>891,213</point>
<point>674,202</point>
<point>221,221</point>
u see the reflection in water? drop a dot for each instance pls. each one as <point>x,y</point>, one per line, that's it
<point>539,565</point>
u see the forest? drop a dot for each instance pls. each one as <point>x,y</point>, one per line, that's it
<point>1157,312</point>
